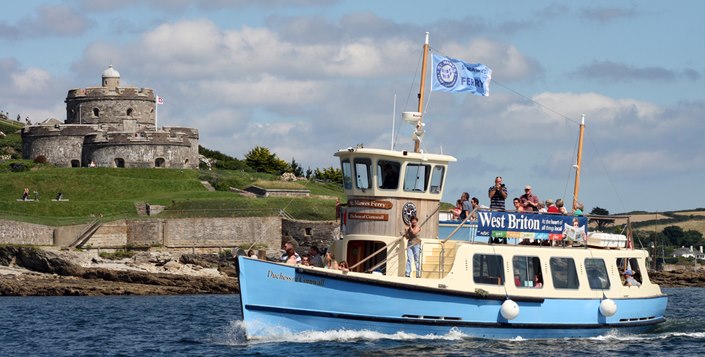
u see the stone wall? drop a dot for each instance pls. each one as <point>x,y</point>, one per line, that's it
<point>109,235</point>
<point>145,233</point>
<point>12,232</point>
<point>222,232</point>
<point>309,233</point>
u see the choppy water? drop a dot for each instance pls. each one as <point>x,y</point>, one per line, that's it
<point>208,325</point>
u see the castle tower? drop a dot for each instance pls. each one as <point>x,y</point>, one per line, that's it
<point>111,78</point>
<point>117,108</point>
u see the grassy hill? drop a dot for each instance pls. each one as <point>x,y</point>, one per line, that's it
<point>112,194</point>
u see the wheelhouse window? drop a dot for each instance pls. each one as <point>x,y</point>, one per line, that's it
<point>437,179</point>
<point>624,264</point>
<point>597,274</point>
<point>416,177</point>
<point>347,174</point>
<point>488,269</point>
<point>563,273</point>
<point>527,271</point>
<point>362,173</point>
<point>388,174</point>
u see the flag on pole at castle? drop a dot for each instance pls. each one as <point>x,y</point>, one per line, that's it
<point>160,100</point>
<point>454,75</point>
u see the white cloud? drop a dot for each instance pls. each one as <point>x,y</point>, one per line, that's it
<point>31,80</point>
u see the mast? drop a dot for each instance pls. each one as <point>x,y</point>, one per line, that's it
<point>576,187</point>
<point>422,89</point>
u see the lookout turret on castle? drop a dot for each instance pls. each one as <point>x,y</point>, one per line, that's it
<point>118,108</point>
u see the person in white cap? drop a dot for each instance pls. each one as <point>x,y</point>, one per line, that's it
<point>529,200</point>
<point>629,279</point>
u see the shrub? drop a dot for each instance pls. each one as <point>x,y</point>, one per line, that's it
<point>41,159</point>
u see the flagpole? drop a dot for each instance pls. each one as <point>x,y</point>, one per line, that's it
<point>576,186</point>
<point>417,143</point>
<point>156,111</point>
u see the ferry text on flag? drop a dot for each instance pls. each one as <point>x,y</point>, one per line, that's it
<point>454,75</point>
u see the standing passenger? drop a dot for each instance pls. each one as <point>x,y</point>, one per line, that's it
<point>413,250</point>
<point>497,193</point>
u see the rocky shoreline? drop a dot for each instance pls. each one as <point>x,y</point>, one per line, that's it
<point>29,271</point>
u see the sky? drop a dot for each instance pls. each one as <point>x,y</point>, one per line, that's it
<point>306,78</point>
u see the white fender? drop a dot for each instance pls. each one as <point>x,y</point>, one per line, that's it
<point>608,307</point>
<point>510,309</point>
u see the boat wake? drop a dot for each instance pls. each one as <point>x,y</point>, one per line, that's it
<point>279,334</point>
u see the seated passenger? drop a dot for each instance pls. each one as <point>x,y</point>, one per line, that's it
<point>343,266</point>
<point>551,207</point>
<point>559,205</point>
<point>578,209</point>
<point>538,282</point>
<point>517,205</point>
<point>457,210</point>
<point>629,279</point>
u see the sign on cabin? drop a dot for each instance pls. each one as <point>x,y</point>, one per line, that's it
<point>530,226</point>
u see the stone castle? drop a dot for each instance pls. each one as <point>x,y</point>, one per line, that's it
<point>111,126</point>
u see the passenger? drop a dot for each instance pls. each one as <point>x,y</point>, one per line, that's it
<point>542,207</point>
<point>457,210</point>
<point>331,263</point>
<point>538,282</point>
<point>251,253</point>
<point>467,208</point>
<point>529,200</point>
<point>476,206</point>
<point>343,266</point>
<point>629,279</point>
<point>413,250</point>
<point>517,280</point>
<point>559,205</point>
<point>551,207</point>
<point>305,261</point>
<point>517,205</point>
<point>578,209</point>
<point>498,194</point>
<point>315,257</point>
<point>290,256</point>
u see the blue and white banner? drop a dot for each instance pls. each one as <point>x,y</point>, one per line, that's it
<point>541,226</point>
<point>454,75</point>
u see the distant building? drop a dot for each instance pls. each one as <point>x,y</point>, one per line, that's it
<point>689,253</point>
<point>111,126</point>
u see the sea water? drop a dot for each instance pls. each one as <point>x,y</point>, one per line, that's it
<point>210,325</point>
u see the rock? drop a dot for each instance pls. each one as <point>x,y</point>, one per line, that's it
<point>157,258</point>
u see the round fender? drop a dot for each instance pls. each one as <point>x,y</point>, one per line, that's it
<point>608,307</point>
<point>510,309</point>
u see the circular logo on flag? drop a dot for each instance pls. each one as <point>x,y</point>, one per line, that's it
<point>446,73</point>
<point>408,211</point>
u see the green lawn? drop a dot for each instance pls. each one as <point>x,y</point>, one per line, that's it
<point>112,194</point>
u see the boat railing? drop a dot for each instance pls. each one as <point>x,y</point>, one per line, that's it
<point>462,223</point>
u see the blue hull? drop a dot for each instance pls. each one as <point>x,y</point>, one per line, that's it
<point>280,299</point>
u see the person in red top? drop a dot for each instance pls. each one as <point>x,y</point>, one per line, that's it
<point>551,206</point>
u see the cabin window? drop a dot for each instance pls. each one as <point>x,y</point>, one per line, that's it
<point>597,274</point>
<point>488,269</point>
<point>388,174</point>
<point>624,264</point>
<point>437,178</point>
<point>347,174</point>
<point>416,177</point>
<point>527,272</point>
<point>362,173</point>
<point>564,273</point>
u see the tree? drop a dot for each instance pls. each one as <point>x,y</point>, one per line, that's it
<point>261,160</point>
<point>329,174</point>
<point>602,223</point>
<point>296,168</point>
<point>674,234</point>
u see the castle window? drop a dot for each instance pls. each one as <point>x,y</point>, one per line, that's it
<point>75,163</point>
<point>96,112</point>
<point>119,162</point>
<point>159,162</point>
<point>129,112</point>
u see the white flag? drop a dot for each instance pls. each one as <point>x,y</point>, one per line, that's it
<point>160,100</point>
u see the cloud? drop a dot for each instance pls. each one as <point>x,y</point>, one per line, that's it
<point>604,15</point>
<point>49,21</point>
<point>620,72</point>
<point>32,80</point>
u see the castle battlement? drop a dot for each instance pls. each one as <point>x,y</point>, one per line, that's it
<point>111,126</point>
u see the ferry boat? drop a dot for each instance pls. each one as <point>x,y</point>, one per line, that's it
<point>505,275</point>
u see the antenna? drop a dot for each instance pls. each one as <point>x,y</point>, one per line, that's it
<point>394,110</point>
